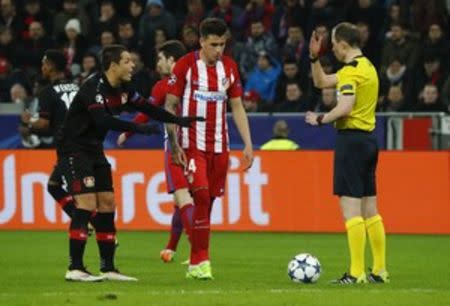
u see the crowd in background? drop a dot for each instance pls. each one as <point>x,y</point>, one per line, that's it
<point>405,39</point>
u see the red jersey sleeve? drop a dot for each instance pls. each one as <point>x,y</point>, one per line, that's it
<point>157,97</point>
<point>159,92</point>
<point>177,81</point>
<point>235,89</point>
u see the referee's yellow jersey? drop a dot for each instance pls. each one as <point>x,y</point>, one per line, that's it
<point>359,78</point>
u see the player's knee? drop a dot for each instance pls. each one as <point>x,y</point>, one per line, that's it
<point>86,201</point>
<point>201,196</point>
<point>183,197</point>
<point>106,202</point>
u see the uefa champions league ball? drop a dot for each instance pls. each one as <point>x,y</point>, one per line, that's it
<point>304,268</point>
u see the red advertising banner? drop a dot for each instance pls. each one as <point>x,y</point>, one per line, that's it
<point>283,191</point>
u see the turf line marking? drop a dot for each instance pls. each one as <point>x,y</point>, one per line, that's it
<point>218,291</point>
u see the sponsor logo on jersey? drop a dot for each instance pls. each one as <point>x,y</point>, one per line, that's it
<point>226,82</point>
<point>172,79</point>
<point>209,96</point>
<point>99,99</point>
<point>89,181</point>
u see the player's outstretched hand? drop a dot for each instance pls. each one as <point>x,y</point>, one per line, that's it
<point>311,118</point>
<point>121,139</point>
<point>149,129</point>
<point>186,121</point>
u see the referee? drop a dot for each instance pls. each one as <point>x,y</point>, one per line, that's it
<point>356,152</point>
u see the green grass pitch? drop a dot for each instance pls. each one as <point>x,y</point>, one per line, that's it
<point>249,269</point>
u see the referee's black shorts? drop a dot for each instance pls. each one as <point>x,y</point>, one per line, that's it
<point>355,163</point>
<point>85,172</point>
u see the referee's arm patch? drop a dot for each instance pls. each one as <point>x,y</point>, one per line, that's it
<point>347,89</point>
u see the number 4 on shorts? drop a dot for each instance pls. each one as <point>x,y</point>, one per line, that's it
<point>191,166</point>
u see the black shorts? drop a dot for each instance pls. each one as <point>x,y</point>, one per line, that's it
<point>355,163</point>
<point>85,173</point>
<point>56,175</point>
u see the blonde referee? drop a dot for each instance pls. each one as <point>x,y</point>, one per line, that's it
<point>356,152</point>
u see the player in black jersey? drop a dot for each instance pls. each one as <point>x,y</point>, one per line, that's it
<point>84,165</point>
<point>54,100</point>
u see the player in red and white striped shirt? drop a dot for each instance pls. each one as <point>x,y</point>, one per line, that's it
<point>176,182</point>
<point>204,82</point>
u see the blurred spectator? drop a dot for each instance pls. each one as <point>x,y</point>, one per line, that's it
<point>327,101</point>
<point>394,101</point>
<point>401,46</point>
<point>230,13</point>
<point>429,100</point>
<point>295,46</point>
<point>195,13</point>
<point>35,47</point>
<point>257,42</point>
<point>367,11</point>
<point>190,38</point>
<point>34,11</point>
<point>90,64</point>
<point>107,38</point>
<point>251,101</point>
<point>10,18</point>
<point>280,140</point>
<point>256,10</point>
<point>321,12</point>
<point>8,47</point>
<point>127,35</point>
<point>436,43</point>
<point>160,37</point>
<point>263,78</point>
<point>9,77</point>
<point>290,73</point>
<point>74,45</point>
<point>369,44</point>
<point>397,12</point>
<point>431,72</point>
<point>107,21</point>
<point>426,12</point>
<point>18,94</point>
<point>5,83</point>
<point>445,94</point>
<point>290,13</point>
<point>155,18</point>
<point>396,74</point>
<point>71,10</point>
<point>136,9</point>
<point>141,76</point>
<point>295,100</point>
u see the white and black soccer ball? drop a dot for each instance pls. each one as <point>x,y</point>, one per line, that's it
<point>304,268</point>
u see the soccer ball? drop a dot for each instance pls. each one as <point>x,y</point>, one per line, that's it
<point>304,268</point>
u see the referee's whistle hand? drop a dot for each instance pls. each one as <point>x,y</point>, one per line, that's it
<point>311,118</point>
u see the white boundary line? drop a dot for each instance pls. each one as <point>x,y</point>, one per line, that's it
<point>301,289</point>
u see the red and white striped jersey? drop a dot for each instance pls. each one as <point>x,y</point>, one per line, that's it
<point>204,91</point>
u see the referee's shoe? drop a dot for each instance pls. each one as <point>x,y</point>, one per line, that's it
<point>348,279</point>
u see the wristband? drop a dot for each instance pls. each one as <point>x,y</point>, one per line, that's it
<point>319,119</point>
<point>313,59</point>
